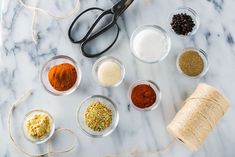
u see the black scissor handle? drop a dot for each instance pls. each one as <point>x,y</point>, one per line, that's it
<point>89,36</point>
<point>75,20</point>
<point>90,55</point>
<point>104,29</point>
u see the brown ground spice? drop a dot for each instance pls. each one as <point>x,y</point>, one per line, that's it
<point>191,63</point>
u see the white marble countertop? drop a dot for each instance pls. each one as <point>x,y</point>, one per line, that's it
<point>21,61</point>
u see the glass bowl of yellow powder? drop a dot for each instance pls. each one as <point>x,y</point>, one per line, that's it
<point>97,116</point>
<point>108,71</point>
<point>38,126</point>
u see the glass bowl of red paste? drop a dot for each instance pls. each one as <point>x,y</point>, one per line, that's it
<point>144,95</point>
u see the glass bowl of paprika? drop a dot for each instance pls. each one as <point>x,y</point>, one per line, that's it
<point>61,75</point>
<point>144,95</point>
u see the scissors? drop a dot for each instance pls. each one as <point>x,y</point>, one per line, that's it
<point>115,11</point>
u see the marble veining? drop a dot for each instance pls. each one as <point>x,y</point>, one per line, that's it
<point>21,61</point>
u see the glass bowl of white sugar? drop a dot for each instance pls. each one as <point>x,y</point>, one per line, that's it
<point>150,43</point>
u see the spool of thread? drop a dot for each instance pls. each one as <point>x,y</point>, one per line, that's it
<point>198,116</point>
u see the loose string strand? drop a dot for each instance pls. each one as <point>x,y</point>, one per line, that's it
<point>33,23</point>
<point>152,153</point>
<point>49,151</point>
<point>73,145</point>
<point>35,9</point>
<point>69,14</point>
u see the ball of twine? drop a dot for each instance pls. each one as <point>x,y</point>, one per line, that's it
<point>198,116</point>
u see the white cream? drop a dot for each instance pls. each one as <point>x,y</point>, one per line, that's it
<point>150,45</point>
<point>109,73</point>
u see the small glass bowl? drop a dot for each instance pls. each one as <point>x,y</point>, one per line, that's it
<point>204,58</point>
<point>192,13</point>
<point>153,27</point>
<point>51,63</point>
<point>155,88</point>
<point>81,118</point>
<point>102,60</point>
<point>38,140</point>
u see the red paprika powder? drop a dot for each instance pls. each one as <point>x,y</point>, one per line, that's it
<point>143,96</point>
<point>62,77</point>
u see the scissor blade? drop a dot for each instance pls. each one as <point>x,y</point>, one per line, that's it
<point>121,6</point>
<point>128,3</point>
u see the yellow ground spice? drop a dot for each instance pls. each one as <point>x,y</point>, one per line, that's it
<point>191,63</point>
<point>98,116</point>
<point>39,125</point>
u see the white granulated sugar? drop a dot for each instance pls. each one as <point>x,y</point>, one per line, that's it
<point>150,45</point>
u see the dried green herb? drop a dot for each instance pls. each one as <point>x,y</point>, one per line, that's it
<point>98,116</point>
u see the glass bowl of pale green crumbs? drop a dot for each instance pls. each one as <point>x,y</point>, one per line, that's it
<point>97,116</point>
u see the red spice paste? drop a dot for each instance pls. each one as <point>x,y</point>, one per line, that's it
<point>143,96</point>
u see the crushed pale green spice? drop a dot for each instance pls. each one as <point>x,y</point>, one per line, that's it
<point>98,116</point>
<point>191,63</point>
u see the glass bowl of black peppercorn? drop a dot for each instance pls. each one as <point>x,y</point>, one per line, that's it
<point>184,21</point>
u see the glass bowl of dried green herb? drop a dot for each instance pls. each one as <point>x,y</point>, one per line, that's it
<point>184,21</point>
<point>192,63</point>
<point>97,116</point>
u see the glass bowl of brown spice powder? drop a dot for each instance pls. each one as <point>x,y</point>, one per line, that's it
<point>192,63</point>
<point>61,75</point>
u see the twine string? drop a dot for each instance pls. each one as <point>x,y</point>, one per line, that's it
<point>49,151</point>
<point>210,97</point>
<point>204,99</point>
<point>134,151</point>
<point>198,116</point>
<point>48,13</point>
<point>33,23</point>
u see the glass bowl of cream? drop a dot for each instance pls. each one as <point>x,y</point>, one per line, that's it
<point>38,126</point>
<point>108,71</point>
<point>150,43</point>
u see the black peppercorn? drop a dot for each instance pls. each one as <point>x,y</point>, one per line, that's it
<point>182,24</point>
